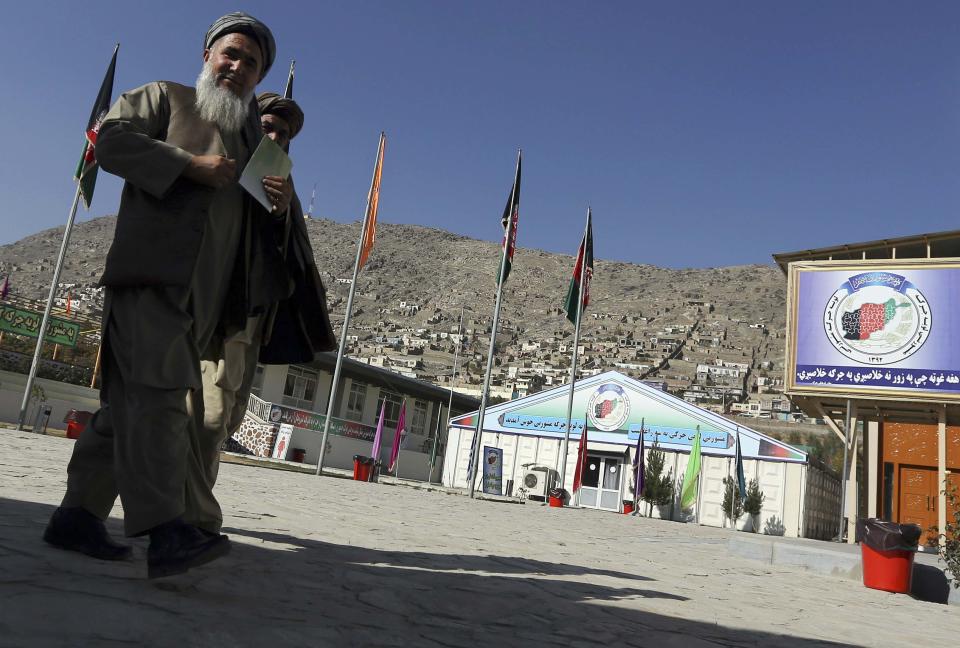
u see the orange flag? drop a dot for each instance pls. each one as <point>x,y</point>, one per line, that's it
<point>69,302</point>
<point>373,201</point>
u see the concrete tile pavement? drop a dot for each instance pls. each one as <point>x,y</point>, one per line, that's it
<point>331,562</point>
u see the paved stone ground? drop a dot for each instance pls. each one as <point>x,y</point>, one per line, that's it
<point>331,562</point>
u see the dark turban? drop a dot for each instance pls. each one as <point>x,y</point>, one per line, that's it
<point>241,23</point>
<point>271,103</point>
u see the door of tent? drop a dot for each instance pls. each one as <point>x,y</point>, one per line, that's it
<point>601,483</point>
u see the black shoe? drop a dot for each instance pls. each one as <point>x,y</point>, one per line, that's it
<point>176,547</point>
<point>76,529</point>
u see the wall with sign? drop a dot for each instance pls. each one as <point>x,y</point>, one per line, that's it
<point>874,328</point>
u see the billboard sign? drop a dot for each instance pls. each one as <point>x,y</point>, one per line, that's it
<point>27,322</point>
<point>874,328</point>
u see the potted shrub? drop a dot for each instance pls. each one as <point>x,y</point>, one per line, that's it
<point>950,549</point>
<point>753,503</point>
<point>657,488</point>
<point>732,501</point>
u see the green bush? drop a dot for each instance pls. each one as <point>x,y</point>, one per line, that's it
<point>732,502</point>
<point>950,549</point>
<point>754,502</point>
<point>657,487</point>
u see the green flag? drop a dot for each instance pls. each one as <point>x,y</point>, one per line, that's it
<point>689,494</point>
<point>86,173</point>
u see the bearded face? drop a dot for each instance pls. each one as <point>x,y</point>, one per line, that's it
<point>231,70</point>
<point>218,104</point>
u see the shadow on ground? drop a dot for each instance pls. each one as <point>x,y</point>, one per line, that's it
<point>276,589</point>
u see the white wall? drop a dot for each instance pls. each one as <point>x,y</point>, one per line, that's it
<point>785,485</point>
<point>61,397</point>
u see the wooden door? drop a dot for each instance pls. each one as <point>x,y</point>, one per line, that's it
<point>918,498</point>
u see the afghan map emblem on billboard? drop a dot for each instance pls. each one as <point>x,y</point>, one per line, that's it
<point>877,318</point>
<point>608,408</point>
<point>881,327</point>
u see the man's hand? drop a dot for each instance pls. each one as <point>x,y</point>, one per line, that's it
<point>212,170</point>
<point>279,191</point>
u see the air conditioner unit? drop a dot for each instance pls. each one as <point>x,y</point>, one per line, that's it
<point>538,480</point>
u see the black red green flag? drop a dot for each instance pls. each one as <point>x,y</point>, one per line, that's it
<point>511,216</point>
<point>86,173</point>
<point>288,91</point>
<point>584,256</point>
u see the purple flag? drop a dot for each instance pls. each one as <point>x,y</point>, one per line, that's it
<point>638,465</point>
<point>6,287</point>
<point>401,429</point>
<point>375,452</point>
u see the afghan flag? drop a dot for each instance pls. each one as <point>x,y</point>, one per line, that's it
<point>86,174</point>
<point>398,435</point>
<point>581,459</point>
<point>511,216</point>
<point>689,493</point>
<point>741,480</point>
<point>369,234</point>
<point>288,91</point>
<point>582,268</point>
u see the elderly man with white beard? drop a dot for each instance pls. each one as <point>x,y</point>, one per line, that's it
<point>192,255</point>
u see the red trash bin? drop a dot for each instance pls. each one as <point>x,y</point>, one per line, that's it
<point>76,421</point>
<point>361,468</point>
<point>627,508</point>
<point>555,497</point>
<point>890,571</point>
<point>887,550</point>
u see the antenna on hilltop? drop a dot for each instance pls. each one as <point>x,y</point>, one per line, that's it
<point>313,195</point>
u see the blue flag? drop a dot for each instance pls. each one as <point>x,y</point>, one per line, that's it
<point>638,467</point>
<point>741,481</point>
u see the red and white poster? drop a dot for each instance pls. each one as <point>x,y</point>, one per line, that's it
<point>282,444</point>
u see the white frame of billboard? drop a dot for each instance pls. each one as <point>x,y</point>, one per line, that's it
<point>795,268</point>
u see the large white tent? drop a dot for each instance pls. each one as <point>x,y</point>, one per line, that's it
<point>800,500</point>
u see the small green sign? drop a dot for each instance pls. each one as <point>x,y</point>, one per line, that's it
<point>24,322</point>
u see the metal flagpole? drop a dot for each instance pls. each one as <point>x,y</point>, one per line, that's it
<point>346,320</point>
<point>25,403</point>
<point>456,357</point>
<point>475,451</point>
<point>430,463</point>
<point>843,482</point>
<point>573,364</point>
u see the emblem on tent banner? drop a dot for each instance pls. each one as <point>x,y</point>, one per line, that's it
<point>609,407</point>
<point>877,318</point>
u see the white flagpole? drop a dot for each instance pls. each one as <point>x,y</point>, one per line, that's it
<point>25,403</point>
<point>346,320</point>
<point>573,364</point>
<point>475,452</point>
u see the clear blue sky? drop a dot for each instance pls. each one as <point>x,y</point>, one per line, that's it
<point>702,133</point>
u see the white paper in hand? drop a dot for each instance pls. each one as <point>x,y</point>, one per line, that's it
<point>268,160</point>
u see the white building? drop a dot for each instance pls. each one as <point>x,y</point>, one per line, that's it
<point>801,500</point>
<point>297,395</point>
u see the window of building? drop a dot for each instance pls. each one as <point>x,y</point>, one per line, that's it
<point>300,388</point>
<point>418,422</point>
<point>392,412</point>
<point>257,385</point>
<point>355,400</point>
